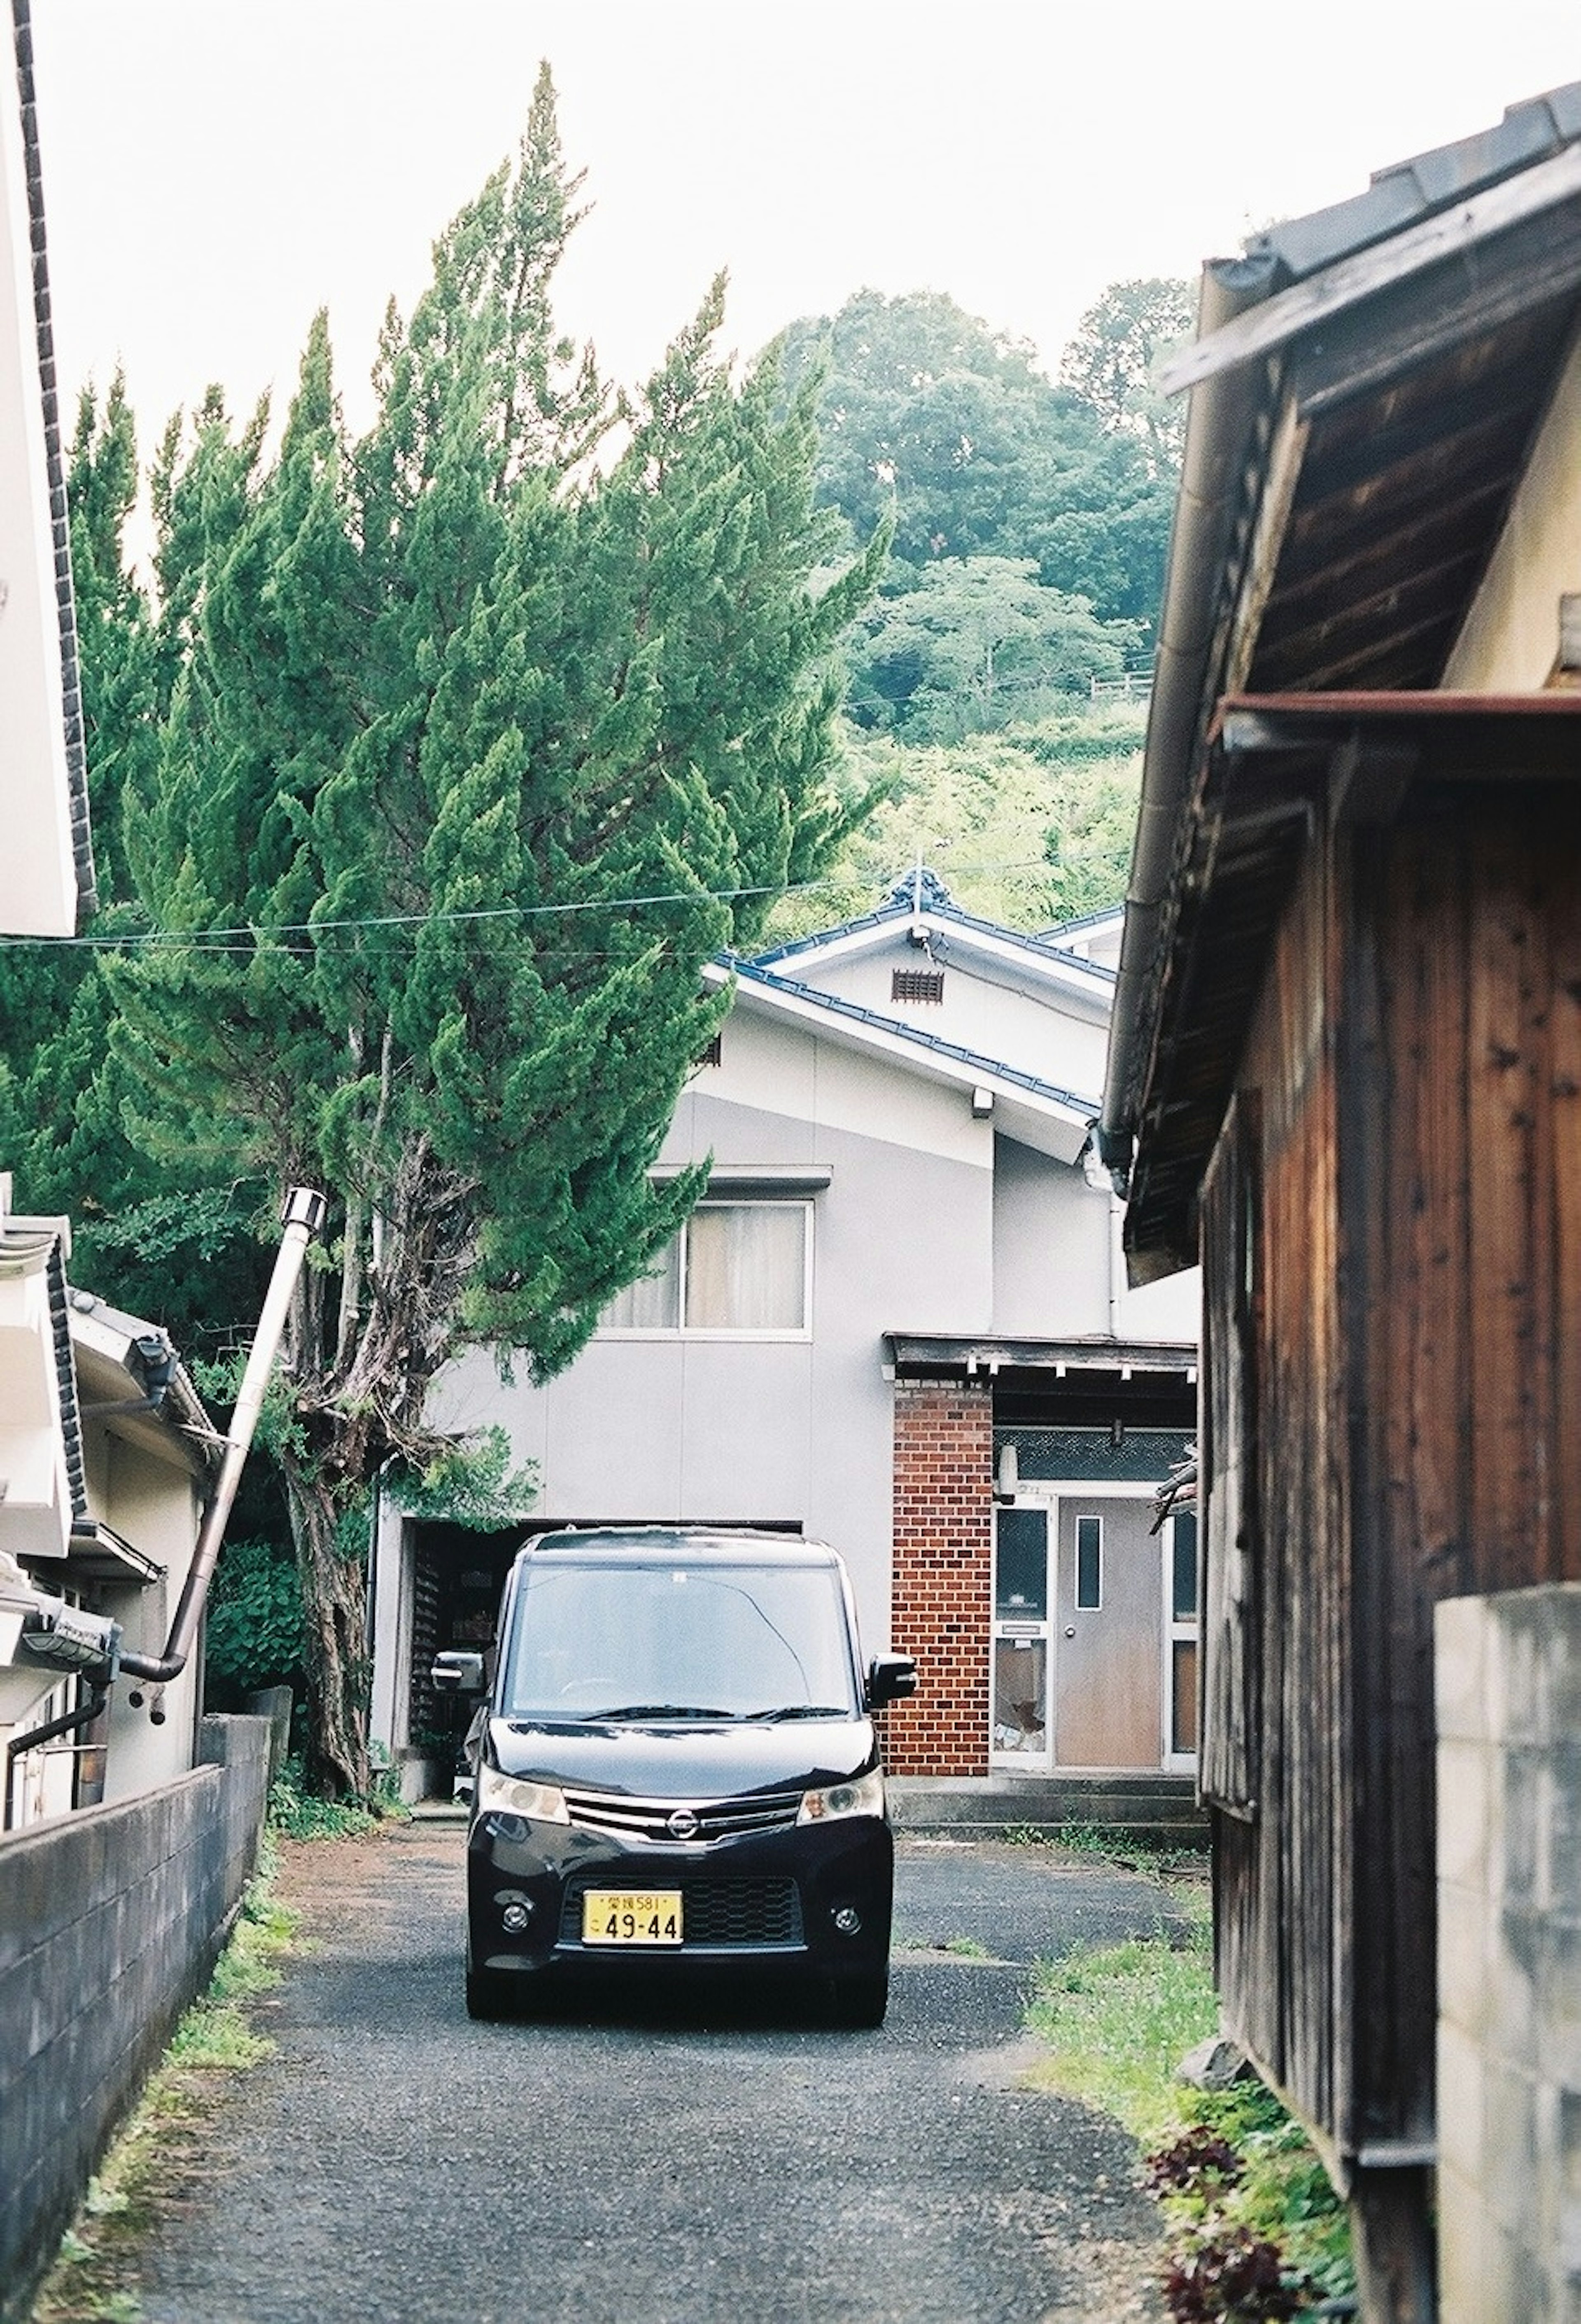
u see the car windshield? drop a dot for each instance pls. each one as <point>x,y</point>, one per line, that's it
<point>613,1640</point>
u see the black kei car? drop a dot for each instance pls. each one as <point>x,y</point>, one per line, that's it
<point>676,1768</point>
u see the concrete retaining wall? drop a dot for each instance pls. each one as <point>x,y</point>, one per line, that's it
<point>110,1922</point>
<point>1509,1710</point>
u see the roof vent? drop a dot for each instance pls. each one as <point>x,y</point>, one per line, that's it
<point>917,984</point>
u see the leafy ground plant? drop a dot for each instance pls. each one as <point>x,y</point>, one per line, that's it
<point>297,1814</point>
<point>94,2278</point>
<point>1255,2230</point>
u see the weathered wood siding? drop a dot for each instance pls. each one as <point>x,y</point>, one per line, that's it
<point>1414,1071</point>
<point>1283,1868</point>
<point>1460,1176</point>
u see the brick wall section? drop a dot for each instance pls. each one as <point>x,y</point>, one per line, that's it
<point>942,1576</point>
<point>110,1921</point>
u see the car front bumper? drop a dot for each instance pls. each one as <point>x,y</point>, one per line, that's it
<point>760,1898</point>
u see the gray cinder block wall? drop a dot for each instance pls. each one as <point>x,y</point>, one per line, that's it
<point>110,1922</point>
<point>1509,2096</point>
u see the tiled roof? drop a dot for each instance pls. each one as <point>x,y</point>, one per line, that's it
<point>1408,191</point>
<point>936,905</point>
<point>60,519</point>
<point>752,973</point>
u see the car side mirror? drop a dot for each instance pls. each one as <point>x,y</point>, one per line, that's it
<point>890,1677</point>
<point>457,1674</point>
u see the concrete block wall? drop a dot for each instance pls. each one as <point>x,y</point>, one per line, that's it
<point>942,1576</point>
<point>110,1922</point>
<point>1508,1681</point>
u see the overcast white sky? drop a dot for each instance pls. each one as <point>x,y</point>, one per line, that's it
<point>215,170</point>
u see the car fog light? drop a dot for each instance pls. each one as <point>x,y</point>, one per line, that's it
<point>848,1920</point>
<point>515,1917</point>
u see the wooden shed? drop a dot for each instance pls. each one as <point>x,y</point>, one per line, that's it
<point>1345,1068</point>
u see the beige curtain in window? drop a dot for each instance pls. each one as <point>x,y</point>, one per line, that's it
<point>746,1268</point>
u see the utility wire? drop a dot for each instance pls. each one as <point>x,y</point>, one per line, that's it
<point>245,940</point>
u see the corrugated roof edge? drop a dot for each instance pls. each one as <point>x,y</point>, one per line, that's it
<point>59,516</point>
<point>1406,192</point>
<point>750,974</point>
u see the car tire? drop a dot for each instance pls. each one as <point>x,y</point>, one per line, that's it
<point>489,1996</point>
<point>858,2000</point>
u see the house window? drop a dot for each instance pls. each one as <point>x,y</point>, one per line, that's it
<point>916,984</point>
<point>1088,1563</point>
<point>736,1269</point>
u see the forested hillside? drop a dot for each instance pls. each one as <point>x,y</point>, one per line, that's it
<point>998,681</point>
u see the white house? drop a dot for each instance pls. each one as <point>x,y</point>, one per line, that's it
<point>899,1321</point>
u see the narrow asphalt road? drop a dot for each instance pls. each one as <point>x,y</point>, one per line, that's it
<point>629,2163</point>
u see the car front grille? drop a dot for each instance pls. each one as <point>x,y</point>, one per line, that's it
<point>648,1821</point>
<point>738,1911</point>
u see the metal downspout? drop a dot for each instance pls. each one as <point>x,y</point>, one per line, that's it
<point>84,1716</point>
<point>1222,411</point>
<point>304,1216</point>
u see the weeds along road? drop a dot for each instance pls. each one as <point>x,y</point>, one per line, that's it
<point>627,2163</point>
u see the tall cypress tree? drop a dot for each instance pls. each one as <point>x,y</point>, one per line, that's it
<point>484,732</point>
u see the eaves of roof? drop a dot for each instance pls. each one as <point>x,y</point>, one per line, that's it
<point>942,920</point>
<point>1476,246</point>
<point>884,1032</point>
<point>55,469</point>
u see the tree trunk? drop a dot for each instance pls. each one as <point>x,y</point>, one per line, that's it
<point>334,1598</point>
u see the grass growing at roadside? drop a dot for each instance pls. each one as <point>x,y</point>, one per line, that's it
<point>92,2277</point>
<point>299,1813</point>
<point>1116,2021</point>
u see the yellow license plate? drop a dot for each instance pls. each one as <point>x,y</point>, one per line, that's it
<point>631,1916</point>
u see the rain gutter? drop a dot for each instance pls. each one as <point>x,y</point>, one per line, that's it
<point>1218,431</point>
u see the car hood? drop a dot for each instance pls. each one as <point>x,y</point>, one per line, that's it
<point>689,1762</point>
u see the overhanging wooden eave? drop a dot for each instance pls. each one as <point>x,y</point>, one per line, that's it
<point>1277,766</point>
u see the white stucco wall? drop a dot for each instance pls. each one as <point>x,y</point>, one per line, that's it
<point>1057,1030</point>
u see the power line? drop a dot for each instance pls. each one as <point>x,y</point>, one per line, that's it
<point>244,941</point>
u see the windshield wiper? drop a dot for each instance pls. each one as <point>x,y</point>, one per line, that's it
<point>796,1711</point>
<point>654,1710</point>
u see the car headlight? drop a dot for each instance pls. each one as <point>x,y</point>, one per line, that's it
<point>512,1796</point>
<point>862,1796</point>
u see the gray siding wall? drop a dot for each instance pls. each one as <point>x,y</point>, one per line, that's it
<point>1052,1265</point>
<point>110,1922</point>
<point>785,1431</point>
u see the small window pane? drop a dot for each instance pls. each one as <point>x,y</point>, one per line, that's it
<point>1021,1584</point>
<point>1185,1565</point>
<point>1088,1562</point>
<point>746,1268</point>
<point>653,1303</point>
<point>1184,1691</point>
<point>1021,1687</point>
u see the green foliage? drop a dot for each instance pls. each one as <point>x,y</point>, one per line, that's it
<point>977,643</point>
<point>296,1813</point>
<point>1028,827</point>
<point>929,414</point>
<point>1113,362</point>
<point>469,1483</point>
<point>1115,2022</point>
<point>254,1634</point>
